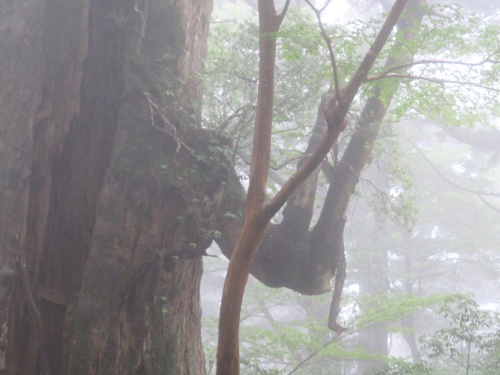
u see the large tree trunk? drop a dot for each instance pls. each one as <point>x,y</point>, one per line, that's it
<point>85,85</point>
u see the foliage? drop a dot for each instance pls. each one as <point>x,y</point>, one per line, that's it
<point>441,89</point>
<point>282,331</point>
<point>444,85</point>
<point>472,334</point>
<point>459,88</point>
<point>231,83</point>
<point>399,367</point>
<point>384,308</point>
<point>470,343</point>
<point>395,196</point>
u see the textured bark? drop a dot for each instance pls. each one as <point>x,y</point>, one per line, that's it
<point>255,225</point>
<point>74,77</point>
<point>42,66</point>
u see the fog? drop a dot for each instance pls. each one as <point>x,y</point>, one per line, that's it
<point>421,237</point>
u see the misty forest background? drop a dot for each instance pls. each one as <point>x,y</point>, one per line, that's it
<point>126,133</point>
<point>422,288</point>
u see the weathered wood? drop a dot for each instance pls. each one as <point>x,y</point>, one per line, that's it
<point>78,80</point>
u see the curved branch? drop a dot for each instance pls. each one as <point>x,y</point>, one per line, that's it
<point>337,337</point>
<point>486,140</point>
<point>376,47</point>
<point>432,61</point>
<point>285,163</point>
<point>328,42</point>
<point>336,110</point>
<point>479,194</point>
<point>285,9</point>
<point>439,81</point>
<point>488,204</point>
<point>463,188</point>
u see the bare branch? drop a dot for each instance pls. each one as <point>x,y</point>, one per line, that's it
<point>433,61</point>
<point>286,162</point>
<point>472,191</point>
<point>488,203</point>
<point>335,114</point>
<point>240,112</point>
<point>376,47</point>
<point>302,173</point>
<point>173,132</point>
<point>283,12</point>
<point>337,337</point>
<point>328,42</point>
<point>438,81</point>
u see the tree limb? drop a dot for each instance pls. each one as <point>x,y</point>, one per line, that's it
<point>335,111</point>
<point>439,81</point>
<point>488,204</point>
<point>328,42</point>
<point>463,188</point>
<point>432,61</point>
<point>376,47</point>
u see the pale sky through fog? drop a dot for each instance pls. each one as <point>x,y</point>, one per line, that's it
<point>337,10</point>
